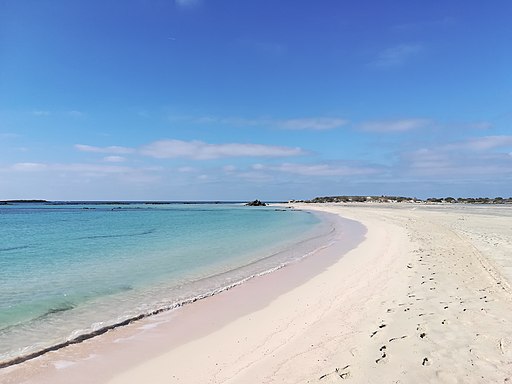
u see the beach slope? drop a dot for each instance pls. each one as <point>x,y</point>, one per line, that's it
<point>426,298</point>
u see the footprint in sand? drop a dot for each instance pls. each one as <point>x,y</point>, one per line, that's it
<point>383,356</point>
<point>342,373</point>
<point>375,332</point>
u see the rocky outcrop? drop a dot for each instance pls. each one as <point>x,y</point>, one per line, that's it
<point>256,203</point>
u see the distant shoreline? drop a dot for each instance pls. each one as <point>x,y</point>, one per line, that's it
<point>322,199</point>
<point>118,202</point>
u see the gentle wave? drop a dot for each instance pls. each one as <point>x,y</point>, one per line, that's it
<point>90,310</point>
<point>98,329</point>
<point>80,336</point>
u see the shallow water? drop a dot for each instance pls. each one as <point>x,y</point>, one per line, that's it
<point>69,270</point>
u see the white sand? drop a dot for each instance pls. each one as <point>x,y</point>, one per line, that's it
<point>425,298</point>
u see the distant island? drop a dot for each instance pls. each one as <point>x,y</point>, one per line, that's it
<point>402,199</point>
<point>7,202</point>
<point>256,203</point>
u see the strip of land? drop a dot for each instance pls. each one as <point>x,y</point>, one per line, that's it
<point>426,297</point>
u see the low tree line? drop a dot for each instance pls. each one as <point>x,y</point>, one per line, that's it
<point>402,199</point>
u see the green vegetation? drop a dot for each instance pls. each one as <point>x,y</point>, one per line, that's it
<point>402,199</point>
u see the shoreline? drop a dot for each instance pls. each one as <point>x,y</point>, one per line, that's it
<point>33,363</point>
<point>276,257</point>
<point>424,298</point>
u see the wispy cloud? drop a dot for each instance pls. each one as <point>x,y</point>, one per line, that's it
<point>75,113</point>
<point>112,149</point>
<point>396,56</point>
<point>479,158</point>
<point>314,124</point>
<point>78,172</point>
<point>480,125</point>
<point>199,150</point>
<point>187,170</point>
<point>481,143</point>
<point>30,167</point>
<point>264,47</point>
<point>319,123</point>
<point>389,126</point>
<point>73,167</point>
<point>8,135</point>
<point>426,24</point>
<point>315,170</point>
<point>41,113</point>
<point>114,159</point>
<point>323,169</point>
<point>187,3</point>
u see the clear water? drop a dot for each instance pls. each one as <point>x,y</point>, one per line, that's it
<point>68,270</point>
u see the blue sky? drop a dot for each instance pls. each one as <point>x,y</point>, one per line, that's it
<point>236,100</point>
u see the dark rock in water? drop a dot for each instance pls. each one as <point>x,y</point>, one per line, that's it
<point>256,203</point>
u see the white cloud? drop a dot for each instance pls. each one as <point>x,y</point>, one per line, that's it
<point>229,168</point>
<point>397,56</point>
<point>80,168</point>
<point>472,159</point>
<point>302,123</point>
<point>482,143</point>
<point>388,126</point>
<point>112,149</point>
<point>187,170</point>
<point>73,167</point>
<point>114,159</point>
<point>30,167</point>
<point>315,170</point>
<point>199,150</point>
<point>315,124</point>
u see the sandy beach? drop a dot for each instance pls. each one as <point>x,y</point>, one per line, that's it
<point>425,297</point>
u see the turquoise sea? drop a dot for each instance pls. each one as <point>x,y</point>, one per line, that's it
<point>69,270</point>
